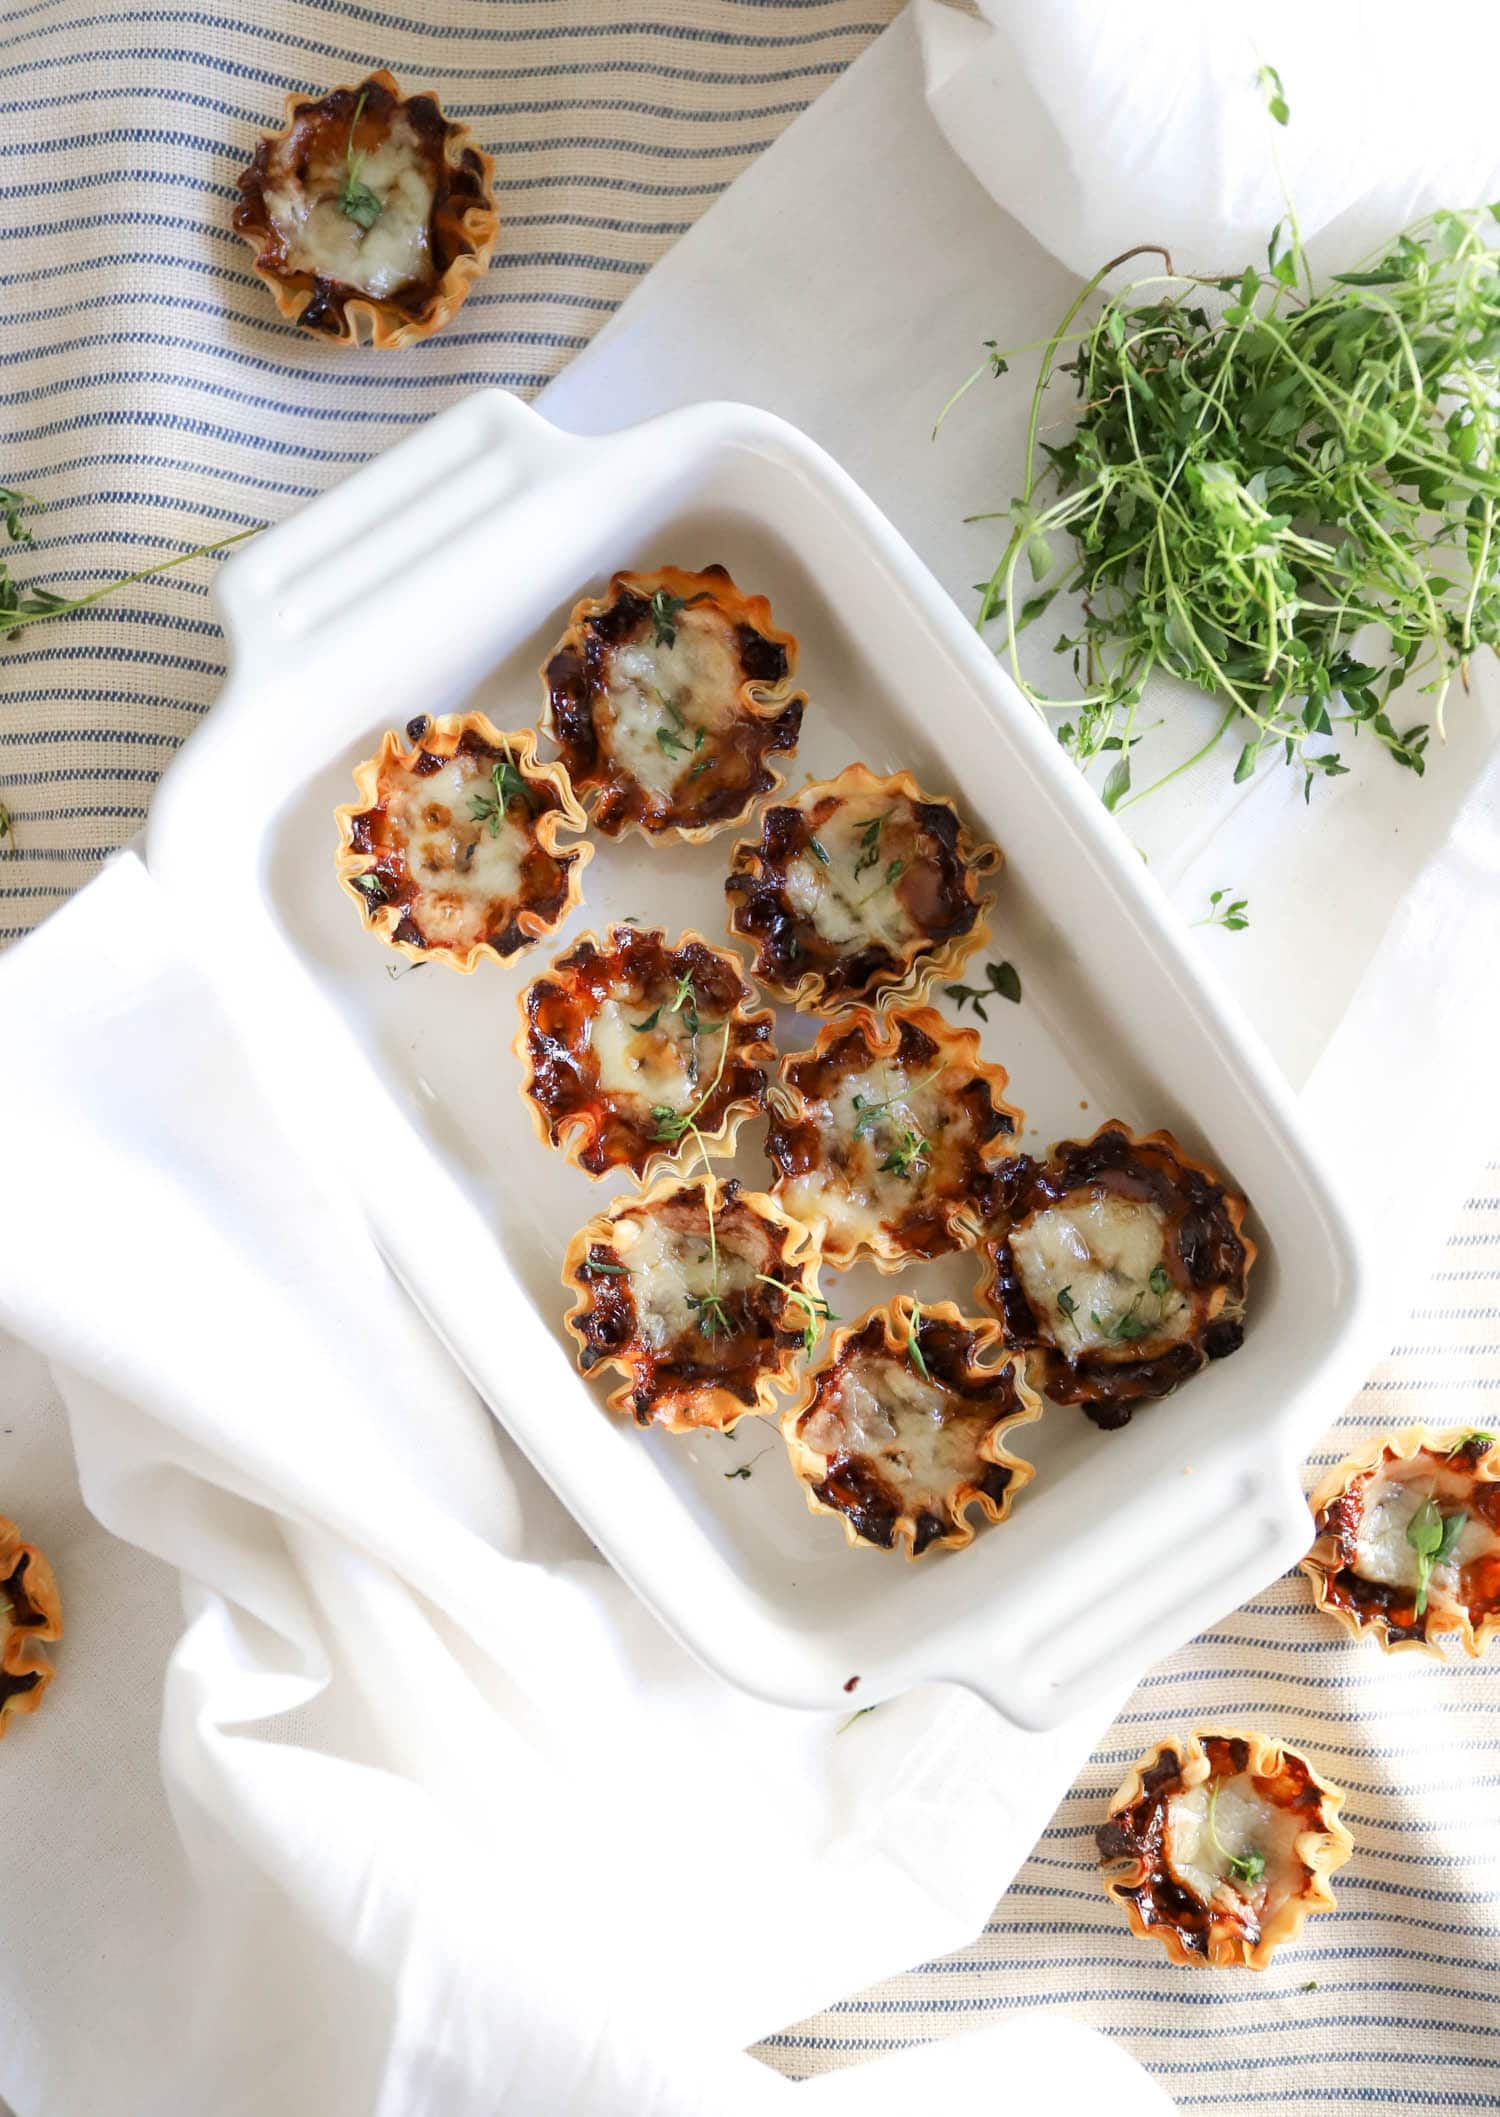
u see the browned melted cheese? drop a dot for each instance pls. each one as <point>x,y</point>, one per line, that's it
<point>462,867</point>
<point>1175,1874</point>
<point>668,720</point>
<point>890,1136</point>
<point>406,155</point>
<point>1123,1263</point>
<point>30,1613</point>
<point>1368,1566</point>
<point>901,1453</point>
<point>650,1274</point>
<point>623,1042</point>
<point>853,883</point>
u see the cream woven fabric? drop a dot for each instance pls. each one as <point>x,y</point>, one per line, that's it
<point>154,400</point>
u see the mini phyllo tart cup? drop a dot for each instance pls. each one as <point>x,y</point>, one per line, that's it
<point>900,1430</point>
<point>1121,1262</point>
<point>30,1615</point>
<point>861,889</point>
<point>702,1295</point>
<point>1219,1847</point>
<point>451,851</point>
<point>370,213</point>
<point>635,1048</point>
<point>887,1135</point>
<point>1408,1541</point>
<point>667,696</point>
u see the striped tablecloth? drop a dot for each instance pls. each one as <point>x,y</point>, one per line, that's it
<point>154,401</point>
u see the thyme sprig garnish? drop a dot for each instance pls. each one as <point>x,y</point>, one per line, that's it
<point>7,830</point>
<point>24,603</point>
<point>356,201</point>
<point>868,1114</point>
<point>665,610</point>
<point>1434,1537</point>
<point>813,1306</point>
<point>14,507</point>
<point>1233,916</point>
<point>1246,1867</point>
<point>1288,498</point>
<point>869,846</point>
<point>909,1152</point>
<point>913,1340</point>
<point>1003,981</point>
<point>1067,1308</point>
<point>672,1124</point>
<point>509,786</point>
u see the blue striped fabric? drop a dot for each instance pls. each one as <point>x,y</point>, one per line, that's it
<point>1389,2002</point>
<point>154,399</point>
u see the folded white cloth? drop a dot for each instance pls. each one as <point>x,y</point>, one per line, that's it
<point>465,1830</point>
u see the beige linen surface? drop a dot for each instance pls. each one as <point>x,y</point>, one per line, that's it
<point>153,399</point>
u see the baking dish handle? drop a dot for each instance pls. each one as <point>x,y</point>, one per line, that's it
<point>360,540</point>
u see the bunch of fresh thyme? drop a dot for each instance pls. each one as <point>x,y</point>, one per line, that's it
<point>1288,500</point>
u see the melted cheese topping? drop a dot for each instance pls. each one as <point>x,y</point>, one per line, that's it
<point>664,704</point>
<point>1099,1251</point>
<point>466,868</point>
<point>320,239</point>
<point>853,912</point>
<point>847,1187</point>
<point>672,1271</point>
<point>661,1066</point>
<point>883,1410</point>
<point>1244,1822</point>
<point>1382,1552</point>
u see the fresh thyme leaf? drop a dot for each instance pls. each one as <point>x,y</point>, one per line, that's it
<point>7,830</point>
<point>1233,915</point>
<point>1246,1867</point>
<point>869,844</point>
<point>740,1470</point>
<point>671,744</point>
<point>373,886</point>
<point>604,1267</point>
<point>665,610</point>
<point>509,786</point>
<point>1067,1307</point>
<point>868,1114</point>
<point>1159,1281</point>
<point>713,1318</point>
<point>859,1715</point>
<point>14,506</point>
<point>1127,1326</point>
<point>913,1342</point>
<point>22,603</point>
<point>704,764</point>
<point>650,1022</point>
<point>1433,1536</point>
<point>820,852</point>
<point>1269,81</point>
<point>969,996</point>
<point>672,1124</point>
<point>1467,1440</point>
<point>1006,980</point>
<point>813,1307</point>
<point>356,201</point>
<point>908,1153</point>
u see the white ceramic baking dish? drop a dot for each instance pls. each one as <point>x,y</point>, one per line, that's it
<point>433,580</point>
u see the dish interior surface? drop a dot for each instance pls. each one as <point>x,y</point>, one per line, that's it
<point>1117,1528</point>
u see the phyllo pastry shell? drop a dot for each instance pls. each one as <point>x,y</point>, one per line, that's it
<point>452,849</point>
<point>1122,1262</point>
<point>1221,1846</point>
<point>30,1613</point>
<point>666,696</point>
<point>635,1048</point>
<point>860,889</point>
<point>887,1133</point>
<point>371,214</point>
<point>1408,1545</point>
<point>704,1296</point>
<point>901,1428</point>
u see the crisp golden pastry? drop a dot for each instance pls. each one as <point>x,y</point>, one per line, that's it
<point>1408,1544</point>
<point>371,214</point>
<point>452,850</point>
<point>860,888</point>
<point>667,696</point>
<point>1221,1846</point>
<point>703,1295</point>
<point>30,1613</point>
<point>887,1133</point>
<point>1122,1262</point>
<point>901,1428</point>
<point>634,1049</point>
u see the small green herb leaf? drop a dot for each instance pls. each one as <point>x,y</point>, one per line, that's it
<point>1159,1282</point>
<point>820,852</point>
<point>372,885</point>
<point>665,610</point>
<point>913,1341</point>
<point>356,201</point>
<point>1433,1537</point>
<point>650,1022</point>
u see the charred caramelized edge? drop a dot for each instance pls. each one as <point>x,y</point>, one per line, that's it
<point>609,1327</point>
<point>1387,1605</point>
<point>796,1146</point>
<point>638,966</point>
<point>937,892</point>
<point>1137,1834</point>
<point>1204,1252</point>
<point>853,1485</point>
<point>545,876</point>
<point>577,675</point>
<point>460,187</point>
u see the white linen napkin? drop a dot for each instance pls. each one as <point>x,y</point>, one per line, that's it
<point>465,1830</point>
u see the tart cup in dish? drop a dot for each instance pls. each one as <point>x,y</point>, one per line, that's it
<point>887,1133</point>
<point>901,1428</point>
<point>1408,1541</point>
<point>30,1614</point>
<point>451,851</point>
<point>1219,1847</point>
<point>861,889</point>
<point>635,1047</point>
<point>667,696</point>
<point>371,214</point>
<point>1121,1263</point>
<point>702,1295</point>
